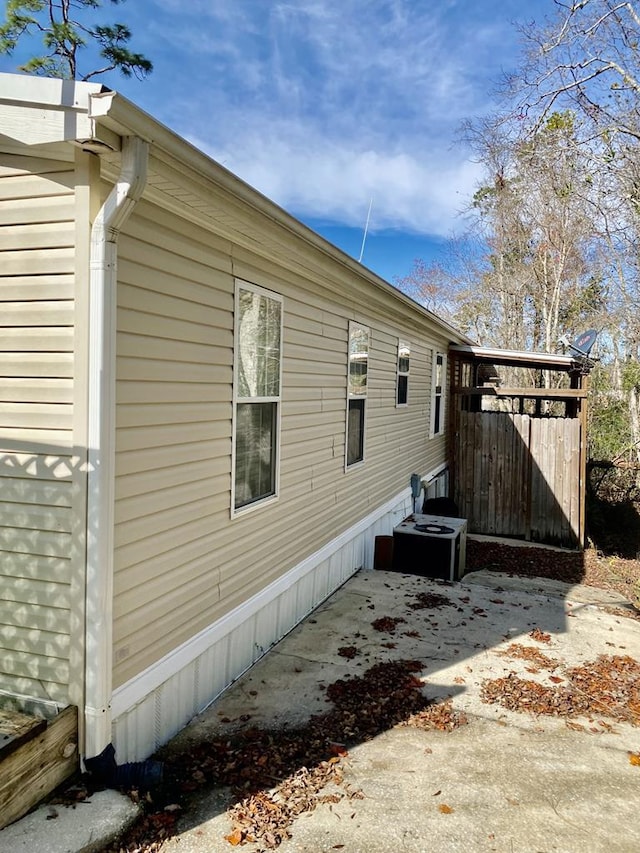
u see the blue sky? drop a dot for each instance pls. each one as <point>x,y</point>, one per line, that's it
<point>326,106</point>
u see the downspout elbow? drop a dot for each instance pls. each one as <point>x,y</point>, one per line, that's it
<point>126,192</point>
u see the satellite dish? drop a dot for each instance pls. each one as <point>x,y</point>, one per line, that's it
<point>584,342</point>
<point>581,347</point>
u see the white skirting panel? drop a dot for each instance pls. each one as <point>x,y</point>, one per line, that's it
<point>150,709</point>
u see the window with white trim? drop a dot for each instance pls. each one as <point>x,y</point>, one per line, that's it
<point>257,394</point>
<point>438,380</point>
<point>402,384</point>
<point>359,337</point>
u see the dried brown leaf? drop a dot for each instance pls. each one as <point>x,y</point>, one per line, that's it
<point>540,636</point>
<point>234,838</point>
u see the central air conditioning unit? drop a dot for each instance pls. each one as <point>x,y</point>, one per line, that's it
<point>433,546</point>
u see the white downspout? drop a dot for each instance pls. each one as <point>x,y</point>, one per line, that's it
<point>101,451</point>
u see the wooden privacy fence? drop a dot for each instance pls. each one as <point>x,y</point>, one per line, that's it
<point>519,475</point>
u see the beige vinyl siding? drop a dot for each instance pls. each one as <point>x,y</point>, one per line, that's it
<point>173,431</point>
<point>37,458</point>
<point>181,561</point>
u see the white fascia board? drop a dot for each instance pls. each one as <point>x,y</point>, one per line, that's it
<point>47,91</point>
<point>40,110</point>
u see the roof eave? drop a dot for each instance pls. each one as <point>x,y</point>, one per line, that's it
<point>489,354</point>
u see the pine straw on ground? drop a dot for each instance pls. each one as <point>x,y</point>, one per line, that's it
<point>589,567</point>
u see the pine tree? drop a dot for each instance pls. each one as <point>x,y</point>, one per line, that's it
<point>63,31</point>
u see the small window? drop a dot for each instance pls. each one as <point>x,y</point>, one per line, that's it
<point>439,373</point>
<point>402,387</point>
<point>257,381</point>
<point>357,392</point>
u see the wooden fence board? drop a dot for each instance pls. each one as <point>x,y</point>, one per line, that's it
<point>523,426</point>
<point>480,481</point>
<point>491,471</point>
<point>577,487</point>
<point>518,475</point>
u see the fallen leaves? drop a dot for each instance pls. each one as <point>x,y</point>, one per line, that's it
<point>348,652</point>
<point>387,623</point>
<point>365,706</point>
<point>429,600</point>
<point>278,775</point>
<point>612,685</point>
<point>439,716</point>
<point>266,816</point>
<point>234,838</point>
<point>530,654</point>
<point>527,561</point>
<point>588,567</point>
<point>608,686</point>
<point>149,833</point>
<point>519,694</point>
<point>540,636</point>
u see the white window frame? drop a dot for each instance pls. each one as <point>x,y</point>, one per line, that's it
<point>404,352</point>
<point>241,285</point>
<point>435,394</point>
<point>352,395</point>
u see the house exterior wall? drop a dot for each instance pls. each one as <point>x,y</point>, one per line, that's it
<point>200,592</point>
<point>41,456</point>
<point>199,595</point>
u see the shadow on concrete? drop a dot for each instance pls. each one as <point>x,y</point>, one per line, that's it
<point>383,652</point>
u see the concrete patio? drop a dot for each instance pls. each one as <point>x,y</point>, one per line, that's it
<point>505,781</point>
<point>510,781</point>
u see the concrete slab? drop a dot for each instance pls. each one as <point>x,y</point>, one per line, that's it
<point>510,781</point>
<point>506,781</point>
<point>85,827</point>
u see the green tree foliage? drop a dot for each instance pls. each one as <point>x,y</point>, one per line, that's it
<point>610,434</point>
<point>62,28</point>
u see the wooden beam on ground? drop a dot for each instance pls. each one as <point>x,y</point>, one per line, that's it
<point>38,765</point>
<point>16,729</point>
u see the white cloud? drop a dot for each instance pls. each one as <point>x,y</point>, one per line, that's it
<point>324,104</point>
<point>333,179</point>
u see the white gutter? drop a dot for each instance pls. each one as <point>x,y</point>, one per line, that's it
<point>101,452</point>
